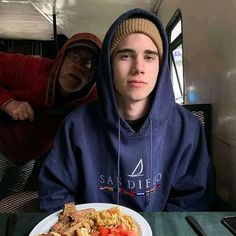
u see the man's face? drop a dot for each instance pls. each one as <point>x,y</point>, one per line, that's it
<point>77,69</point>
<point>135,69</point>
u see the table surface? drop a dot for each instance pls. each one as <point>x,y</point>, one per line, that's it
<point>162,223</point>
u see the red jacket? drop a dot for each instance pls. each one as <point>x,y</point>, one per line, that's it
<point>33,79</point>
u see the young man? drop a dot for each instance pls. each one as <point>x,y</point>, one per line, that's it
<point>134,146</point>
<point>35,95</point>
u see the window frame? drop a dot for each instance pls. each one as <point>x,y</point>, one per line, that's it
<point>173,46</point>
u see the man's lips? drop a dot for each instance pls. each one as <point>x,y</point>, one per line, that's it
<point>76,77</point>
<point>136,83</point>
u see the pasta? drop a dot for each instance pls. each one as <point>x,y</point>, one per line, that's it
<point>89,222</point>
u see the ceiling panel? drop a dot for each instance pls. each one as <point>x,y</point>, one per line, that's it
<point>33,19</point>
<point>21,20</point>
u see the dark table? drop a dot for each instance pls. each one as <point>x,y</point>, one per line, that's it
<point>162,223</point>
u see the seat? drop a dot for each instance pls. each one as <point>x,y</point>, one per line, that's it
<point>26,200</point>
<point>204,113</point>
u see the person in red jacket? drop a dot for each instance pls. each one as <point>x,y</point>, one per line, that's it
<point>35,96</point>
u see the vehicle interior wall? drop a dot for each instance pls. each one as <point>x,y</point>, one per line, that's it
<point>209,51</point>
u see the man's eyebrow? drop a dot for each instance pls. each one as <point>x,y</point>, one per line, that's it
<point>152,52</point>
<point>125,50</point>
<point>133,51</point>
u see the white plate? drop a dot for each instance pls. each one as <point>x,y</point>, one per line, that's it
<point>44,225</point>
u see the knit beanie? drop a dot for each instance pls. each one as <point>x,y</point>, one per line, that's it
<point>138,25</point>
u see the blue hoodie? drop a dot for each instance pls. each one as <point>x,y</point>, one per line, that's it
<point>98,157</point>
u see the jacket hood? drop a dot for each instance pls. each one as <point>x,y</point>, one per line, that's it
<point>75,39</point>
<point>163,99</point>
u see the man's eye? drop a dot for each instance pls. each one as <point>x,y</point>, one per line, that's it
<point>126,56</point>
<point>150,57</point>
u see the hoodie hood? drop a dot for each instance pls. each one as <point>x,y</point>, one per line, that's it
<point>163,96</point>
<point>74,40</point>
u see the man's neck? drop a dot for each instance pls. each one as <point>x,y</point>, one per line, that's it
<point>134,111</point>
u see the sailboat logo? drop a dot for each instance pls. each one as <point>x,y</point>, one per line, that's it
<point>138,170</point>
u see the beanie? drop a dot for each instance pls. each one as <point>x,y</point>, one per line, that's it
<point>138,25</point>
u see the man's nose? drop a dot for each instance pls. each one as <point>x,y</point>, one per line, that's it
<point>79,66</point>
<point>138,65</point>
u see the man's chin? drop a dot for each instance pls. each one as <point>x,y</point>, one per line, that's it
<point>72,90</point>
<point>76,78</point>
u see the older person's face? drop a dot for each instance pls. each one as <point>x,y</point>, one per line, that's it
<point>77,69</point>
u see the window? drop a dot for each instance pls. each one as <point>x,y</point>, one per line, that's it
<point>174,32</point>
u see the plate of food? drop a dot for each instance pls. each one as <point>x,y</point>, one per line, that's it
<point>93,219</point>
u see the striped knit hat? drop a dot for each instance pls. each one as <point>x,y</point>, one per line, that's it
<point>138,25</point>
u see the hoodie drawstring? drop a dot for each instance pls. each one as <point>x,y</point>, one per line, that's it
<point>148,196</point>
<point>118,165</point>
